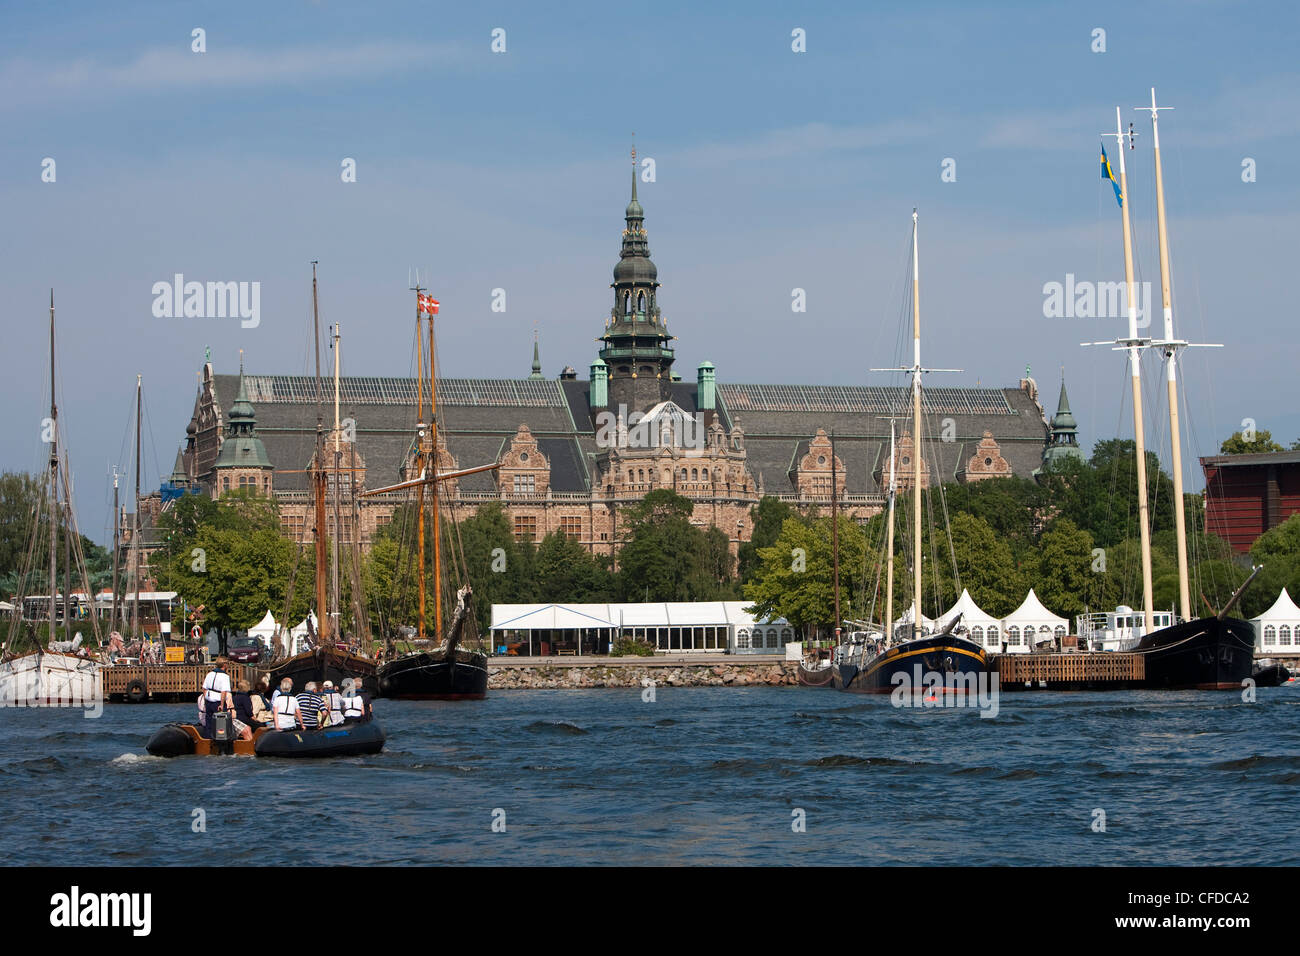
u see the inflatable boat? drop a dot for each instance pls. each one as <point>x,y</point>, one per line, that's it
<point>183,740</point>
<point>346,740</point>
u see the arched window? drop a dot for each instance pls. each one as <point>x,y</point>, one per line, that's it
<point>977,633</point>
<point>1284,635</point>
<point>695,474</point>
<point>640,301</point>
<point>627,303</point>
<point>993,635</point>
<point>1044,631</point>
<point>772,637</point>
<point>1013,635</point>
<point>1060,630</point>
<point>742,638</point>
<point>1270,634</point>
<point>683,474</point>
<point>787,635</point>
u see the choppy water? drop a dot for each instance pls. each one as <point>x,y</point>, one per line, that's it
<point>697,776</point>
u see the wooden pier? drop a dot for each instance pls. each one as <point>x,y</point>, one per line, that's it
<point>1081,670</point>
<point>165,682</point>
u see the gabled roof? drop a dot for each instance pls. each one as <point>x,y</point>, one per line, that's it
<point>1032,610</point>
<point>1283,609</point>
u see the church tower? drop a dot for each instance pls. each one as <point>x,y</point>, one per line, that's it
<point>242,461</point>
<point>635,347</point>
<point>1064,442</point>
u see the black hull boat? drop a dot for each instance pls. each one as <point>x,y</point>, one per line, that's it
<point>343,740</point>
<point>185,740</point>
<point>1207,653</point>
<point>816,676</point>
<point>959,662</point>
<point>320,665</point>
<point>1271,674</point>
<point>434,675</point>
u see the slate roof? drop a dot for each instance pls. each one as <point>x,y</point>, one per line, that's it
<point>480,416</point>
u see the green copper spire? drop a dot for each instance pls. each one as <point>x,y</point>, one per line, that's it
<point>241,448</point>
<point>537,360</point>
<point>1064,440</point>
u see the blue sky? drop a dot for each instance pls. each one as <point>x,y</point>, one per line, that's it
<point>774,170</point>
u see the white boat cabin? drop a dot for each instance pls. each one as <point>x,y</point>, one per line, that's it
<point>1118,630</point>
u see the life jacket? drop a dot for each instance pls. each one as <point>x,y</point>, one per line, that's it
<point>354,707</point>
<point>211,692</point>
<point>285,706</point>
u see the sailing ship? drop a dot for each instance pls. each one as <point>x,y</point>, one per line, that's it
<point>1206,653</point>
<point>447,671</point>
<point>328,658</point>
<point>815,669</point>
<point>62,672</point>
<point>879,666</point>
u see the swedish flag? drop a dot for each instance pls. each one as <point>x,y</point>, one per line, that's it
<point>1108,173</point>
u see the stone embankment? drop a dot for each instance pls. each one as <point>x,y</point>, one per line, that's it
<point>616,673</point>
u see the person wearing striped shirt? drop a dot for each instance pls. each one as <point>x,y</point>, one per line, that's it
<point>309,706</point>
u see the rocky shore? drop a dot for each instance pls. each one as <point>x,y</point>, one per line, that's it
<point>562,676</point>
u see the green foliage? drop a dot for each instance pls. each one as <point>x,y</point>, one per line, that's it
<point>987,566</point>
<point>795,578</point>
<point>1065,568</point>
<point>768,517</point>
<point>20,496</point>
<point>1236,444</point>
<point>631,647</point>
<point>666,558</point>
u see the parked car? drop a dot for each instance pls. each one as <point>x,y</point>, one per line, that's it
<point>246,650</point>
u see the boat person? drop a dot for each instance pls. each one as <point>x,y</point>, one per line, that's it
<point>216,691</point>
<point>310,705</point>
<point>356,702</point>
<point>243,711</point>
<point>334,700</point>
<point>258,707</point>
<point>285,708</point>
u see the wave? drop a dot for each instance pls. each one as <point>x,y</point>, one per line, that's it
<point>555,727</point>
<point>1259,762</point>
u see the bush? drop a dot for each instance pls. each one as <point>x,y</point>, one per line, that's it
<point>631,647</point>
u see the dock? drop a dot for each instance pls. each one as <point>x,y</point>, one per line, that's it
<point>140,684</point>
<point>1077,670</point>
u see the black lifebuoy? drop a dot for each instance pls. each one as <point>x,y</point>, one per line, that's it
<point>135,692</point>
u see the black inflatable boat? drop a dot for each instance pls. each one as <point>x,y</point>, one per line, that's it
<point>182,740</point>
<point>345,740</point>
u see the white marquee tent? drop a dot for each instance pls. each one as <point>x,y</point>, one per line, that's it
<point>981,627</point>
<point>1277,630</point>
<point>1031,624</point>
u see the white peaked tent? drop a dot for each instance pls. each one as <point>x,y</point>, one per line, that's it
<point>982,627</point>
<point>1277,630</point>
<point>1030,624</point>
<point>927,624</point>
<point>264,629</point>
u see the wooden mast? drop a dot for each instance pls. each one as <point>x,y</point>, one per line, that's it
<point>1134,345</point>
<point>916,432</point>
<point>420,457</point>
<point>117,546</point>
<point>835,540</point>
<point>433,486</point>
<point>889,548</point>
<point>335,610</point>
<point>1171,370</point>
<point>54,486</point>
<point>323,631</point>
<point>135,521</point>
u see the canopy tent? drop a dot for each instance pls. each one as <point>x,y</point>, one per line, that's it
<point>264,629</point>
<point>1031,624</point>
<point>529,629</point>
<point>927,624</point>
<point>1277,630</point>
<point>981,627</point>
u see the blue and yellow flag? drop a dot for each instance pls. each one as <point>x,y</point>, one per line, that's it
<point>1108,173</point>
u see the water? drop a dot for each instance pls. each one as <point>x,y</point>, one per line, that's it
<point>700,775</point>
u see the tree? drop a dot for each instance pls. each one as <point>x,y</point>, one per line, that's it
<point>768,517</point>
<point>666,558</point>
<point>568,572</point>
<point>1065,569</point>
<point>795,577</point>
<point>987,566</point>
<point>1236,444</point>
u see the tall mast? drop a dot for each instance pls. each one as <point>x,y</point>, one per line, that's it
<point>117,546</point>
<point>420,456</point>
<point>1171,370</point>
<point>916,431</point>
<point>338,524</point>
<point>835,539</point>
<point>1134,345</point>
<point>323,629</point>
<point>54,483</point>
<point>889,547</point>
<point>135,519</point>
<point>433,486</point>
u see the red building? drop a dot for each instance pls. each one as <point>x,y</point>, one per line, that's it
<point>1246,495</point>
